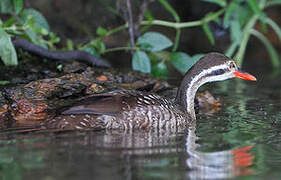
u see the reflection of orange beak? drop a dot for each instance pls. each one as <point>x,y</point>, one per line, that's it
<point>243,75</point>
<point>242,159</point>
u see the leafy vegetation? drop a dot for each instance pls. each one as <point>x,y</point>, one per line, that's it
<point>27,23</point>
<point>241,18</point>
<point>152,50</point>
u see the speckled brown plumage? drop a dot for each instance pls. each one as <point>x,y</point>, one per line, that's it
<point>123,110</point>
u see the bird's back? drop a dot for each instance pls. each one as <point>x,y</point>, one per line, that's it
<point>123,110</point>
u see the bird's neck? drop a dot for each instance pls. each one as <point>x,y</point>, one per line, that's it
<point>188,88</point>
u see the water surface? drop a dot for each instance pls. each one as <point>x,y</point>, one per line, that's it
<point>242,141</point>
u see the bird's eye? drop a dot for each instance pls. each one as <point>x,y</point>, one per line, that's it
<point>232,66</point>
<point>218,72</point>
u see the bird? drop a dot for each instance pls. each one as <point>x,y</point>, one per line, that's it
<point>130,109</point>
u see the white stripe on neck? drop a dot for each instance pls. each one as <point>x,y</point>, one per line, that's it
<point>199,80</point>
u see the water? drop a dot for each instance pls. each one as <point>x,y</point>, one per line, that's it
<point>242,141</point>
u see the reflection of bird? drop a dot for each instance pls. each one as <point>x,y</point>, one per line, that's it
<point>139,110</point>
<point>216,165</point>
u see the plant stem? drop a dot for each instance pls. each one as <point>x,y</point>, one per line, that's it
<point>16,28</point>
<point>272,52</point>
<point>120,49</point>
<point>246,35</point>
<point>176,25</point>
<point>274,26</point>
<point>184,24</point>
<point>117,29</point>
<point>177,39</point>
<point>170,9</point>
<point>131,25</point>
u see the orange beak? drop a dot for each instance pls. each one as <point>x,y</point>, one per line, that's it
<point>243,75</point>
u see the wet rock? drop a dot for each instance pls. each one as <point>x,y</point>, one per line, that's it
<point>3,111</point>
<point>33,100</point>
<point>26,109</point>
<point>4,115</point>
<point>94,89</point>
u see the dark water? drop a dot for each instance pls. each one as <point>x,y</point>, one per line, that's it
<point>242,141</point>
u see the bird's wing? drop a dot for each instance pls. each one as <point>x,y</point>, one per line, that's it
<point>102,104</point>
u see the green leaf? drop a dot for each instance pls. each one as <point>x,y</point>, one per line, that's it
<point>208,33</point>
<point>183,62</point>
<point>9,22</point>
<point>228,14</point>
<point>274,26</point>
<point>39,19</point>
<point>100,46</point>
<point>236,11</point>
<point>272,52</point>
<point>97,45</point>
<point>6,6</point>
<point>32,36</point>
<point>159,56</point>
<point>4,82</point>
<point>101,31</point>
<point>7,51</point>
<point>153,41</point>
<point>235,32</point>
<point>59,67</point>
<point>243,13</point>
<point>160,70</point>
<point>18,5</point>
<point>148,15</point>
<point>53,38</point>
<point>69,44</point>
<point>141,62</point>
<point>221,3</point>
<point>255,7</point>
<point>92,51</point>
